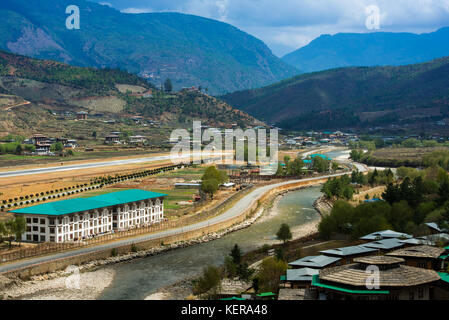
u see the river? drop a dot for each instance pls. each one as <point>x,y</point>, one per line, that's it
<point>140,278</point>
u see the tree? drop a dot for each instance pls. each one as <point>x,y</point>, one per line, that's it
<point>168,86</point>
<point>19,228</point>
<point>270,273</point>
<point>209,282</point>
<point>236,254</point>
<point>284,233</point>
<point>19,149</point>
<point>58,146</point>
<point>210,187</point>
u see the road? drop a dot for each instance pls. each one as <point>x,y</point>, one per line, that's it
<point>244,203</point>
<point>17,173</point>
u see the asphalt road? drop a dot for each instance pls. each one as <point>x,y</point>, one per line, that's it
<point>60,168</point>
<point>236,210</point>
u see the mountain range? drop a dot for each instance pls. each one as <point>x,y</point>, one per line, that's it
<point>350,97</point>
<point>190,50</point>
<point>369,49</point>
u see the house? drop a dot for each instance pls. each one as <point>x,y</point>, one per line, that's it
<point>315,262</point>
<point>426,257</point>
<point>41,143</point>
<point>386,234</point>
<point>396,281</point>
<point>300,278</point>
<point>347,254</point>
<point>112,139</point>
<point>433,228</point>
<point>82,115</point>
<point>385,244</point>
<point>137,140</point>
<point>81,218</point>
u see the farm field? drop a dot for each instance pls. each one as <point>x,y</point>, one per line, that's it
<point>412,154</point>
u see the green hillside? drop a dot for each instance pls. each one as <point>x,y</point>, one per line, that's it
<point>350,97</point>
<point>44,88</point>
<point>190,50</point>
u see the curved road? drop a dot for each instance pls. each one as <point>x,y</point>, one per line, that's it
<point>235,211</point>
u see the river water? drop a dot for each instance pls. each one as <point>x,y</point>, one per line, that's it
<point>138,279</point>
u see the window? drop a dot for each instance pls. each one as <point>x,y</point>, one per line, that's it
<point>43,239</point>
<point>42,230</point>
<point>28,220</point>
<point>28,237</point>
<point>52,239</point>
<point>28,229</point>
<point>52,230</point>
<point>36,229</point>
<point>42,221</point>
<point>35,220</point>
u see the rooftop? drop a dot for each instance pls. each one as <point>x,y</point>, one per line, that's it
<point>295,294</point>
<point>304,274</point>
<point>418,252</point>
<point>356,276</point>
<point>349,251</point>
<point>69,206</point>
<point>314,261</point>
<point>385,244</point>
<point>386,234</point>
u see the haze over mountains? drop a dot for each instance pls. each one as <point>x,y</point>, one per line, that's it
<point>369,49</point>
<point>191,50</point>
<point>350,97</point>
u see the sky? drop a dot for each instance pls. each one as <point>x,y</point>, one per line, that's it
<point>287,25</point>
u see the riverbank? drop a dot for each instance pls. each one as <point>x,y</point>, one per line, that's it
<point>183,289</point>
<point>46,286</point>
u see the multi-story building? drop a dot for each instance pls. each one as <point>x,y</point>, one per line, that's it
<point>83,218</point>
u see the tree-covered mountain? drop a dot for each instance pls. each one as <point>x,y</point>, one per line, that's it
<point>190,50</point>
<point>369,49</point>
<point>351,97</point>
<point>34,91</point>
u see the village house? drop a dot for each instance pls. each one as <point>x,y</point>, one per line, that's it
<point>386,234</point>
<point>82,218</point>
<point>426,257</point>
<point>396,281</point>
<point>299,278</point>
<point>42,144</point>
<point>348,254</point>
<point>385,245</point>
<point>112,139</point>
<point>315,262</point>
<point>82,115</point>
<point>137,140</point>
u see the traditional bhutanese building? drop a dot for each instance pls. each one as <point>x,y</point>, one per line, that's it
<point>394,281</point>
<point>427,257</point>
<point>83,218</point>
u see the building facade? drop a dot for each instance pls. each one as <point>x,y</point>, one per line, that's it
<point>79,219</point>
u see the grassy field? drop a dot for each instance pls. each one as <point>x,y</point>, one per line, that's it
<point>411,154</point>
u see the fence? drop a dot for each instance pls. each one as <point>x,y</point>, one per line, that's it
<point>47,248</point>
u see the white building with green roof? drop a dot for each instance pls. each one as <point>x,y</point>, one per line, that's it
<point>83,218</point>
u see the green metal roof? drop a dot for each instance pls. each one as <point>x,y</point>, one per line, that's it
<point>444,257</point>
<point>233,298</point>
<point>59,208</point>
<point>316,282</point>
<point>266,294</point>
<point>444,276</point>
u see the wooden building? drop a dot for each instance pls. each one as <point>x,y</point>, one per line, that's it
<point>426,257</point>
<point>394,281</point>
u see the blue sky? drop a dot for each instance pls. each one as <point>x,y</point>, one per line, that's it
<point>286,25</point>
